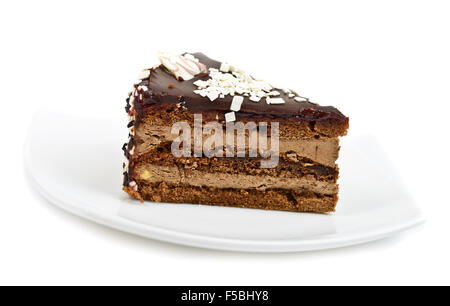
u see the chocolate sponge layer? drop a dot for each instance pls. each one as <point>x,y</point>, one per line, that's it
<point>290,165</point>
<point>272,199</point>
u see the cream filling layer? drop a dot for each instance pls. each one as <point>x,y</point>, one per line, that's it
<point>323,151</point>
<point>173,175</point>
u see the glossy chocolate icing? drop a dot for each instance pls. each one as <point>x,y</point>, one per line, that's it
<point>164,88</point>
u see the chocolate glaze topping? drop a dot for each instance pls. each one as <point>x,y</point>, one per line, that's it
<point>165,89</point>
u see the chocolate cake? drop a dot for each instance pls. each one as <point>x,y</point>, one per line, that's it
<point>195,92</point>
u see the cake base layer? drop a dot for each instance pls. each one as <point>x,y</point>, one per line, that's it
<point>270,199</point>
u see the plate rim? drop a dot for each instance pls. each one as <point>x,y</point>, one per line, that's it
<point>207,242</point>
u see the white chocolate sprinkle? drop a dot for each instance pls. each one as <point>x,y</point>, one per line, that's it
<point>212,95</point>
<point>144,74</point>
<point>230,117</point>
<point>300,99</point>
<point>236,103</point>
<point>200,92</point>
<point>275,101</point>
<point>225,67</point>
<point>201,84</point>
<point>143,88</point>
<point>274,93</point>
<point>236,83</point>
<point>255,98</point>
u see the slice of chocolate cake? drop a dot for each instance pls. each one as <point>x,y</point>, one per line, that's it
<point>204,132</point>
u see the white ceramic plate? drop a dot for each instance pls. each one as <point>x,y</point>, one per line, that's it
<point>76,164</point>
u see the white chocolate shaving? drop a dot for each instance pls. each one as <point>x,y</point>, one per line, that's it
<point>225,67</point>
<point>228,80</point>
<point>236,103</point>
<point>230,117</point>
<point>144,74</point>
<point>212,95</point>
<point>184,67</point>
<point>254,98</point>
<point>235,83</point>
<point>275,101</point>
<point>300,99</point>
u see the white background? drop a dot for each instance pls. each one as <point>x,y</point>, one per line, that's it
<point>386,64</point>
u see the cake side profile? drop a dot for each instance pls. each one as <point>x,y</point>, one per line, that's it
<point>199,94</point>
